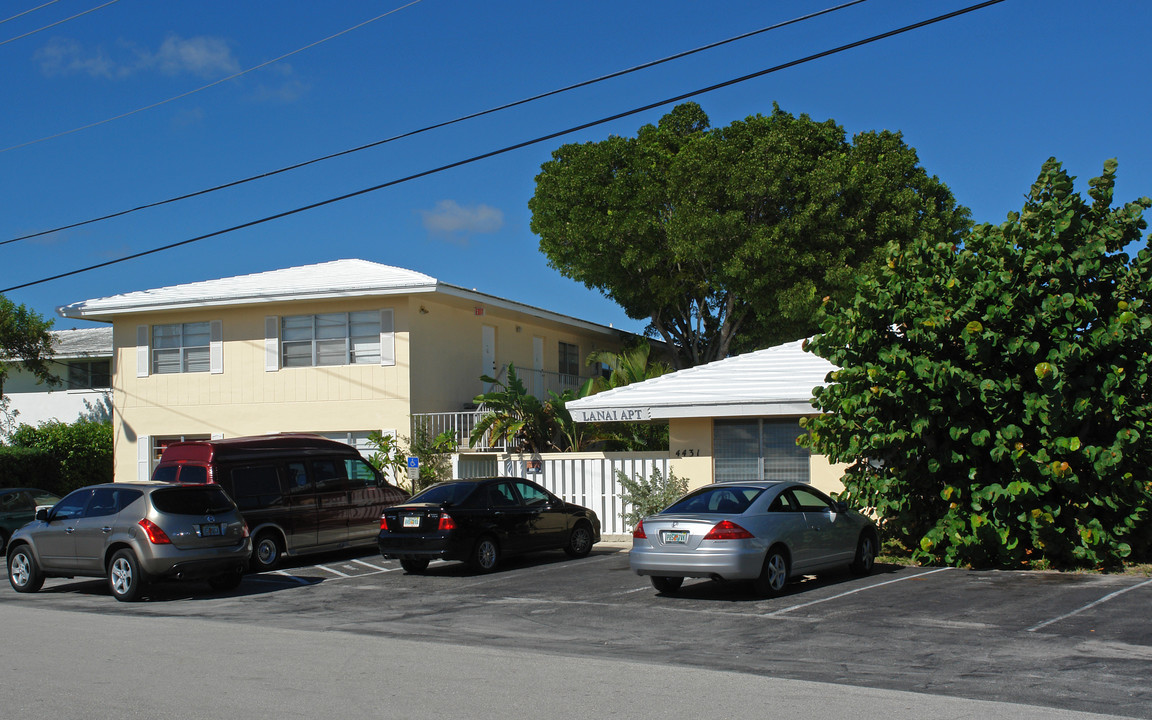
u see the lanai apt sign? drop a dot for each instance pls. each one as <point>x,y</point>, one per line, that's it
<point>611,415</point>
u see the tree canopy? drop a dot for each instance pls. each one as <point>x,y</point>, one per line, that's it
<point>726,239</point>
<point>993,397</point>
<point>24,339</point>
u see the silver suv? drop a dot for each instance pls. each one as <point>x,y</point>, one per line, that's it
<point>133,533</point>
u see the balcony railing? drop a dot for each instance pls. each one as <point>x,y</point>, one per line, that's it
<point>537,383</point>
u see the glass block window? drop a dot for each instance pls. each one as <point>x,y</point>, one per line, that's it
<point>181,348</point>
<point>759,450</point>
<point>331,339</point>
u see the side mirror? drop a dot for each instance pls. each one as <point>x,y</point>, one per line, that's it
<point>840,506</point>
<point>42,513</point>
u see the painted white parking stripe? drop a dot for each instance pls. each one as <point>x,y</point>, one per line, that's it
<point>1089,606</point>
<point>334,572</point>
<point>853,592</point>
<point>374,567</point>
<point>300,580</point>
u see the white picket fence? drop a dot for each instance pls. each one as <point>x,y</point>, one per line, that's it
<point>587,479</point>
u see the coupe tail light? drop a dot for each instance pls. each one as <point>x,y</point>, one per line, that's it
<point>446,522</point>
<point>638,533</point>
<point>156,536</point>
<point>728,530</point>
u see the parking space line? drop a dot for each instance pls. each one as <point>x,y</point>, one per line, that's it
<point>374,567</point>
<point>853,592</point>
<point>334,572</point>
<point>300,580</point>
<point>1089,606</point>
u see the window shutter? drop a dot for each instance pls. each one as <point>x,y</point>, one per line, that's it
<point>143,457</point>
<point>216,347</point>
<point>217,436</point>
<point>271,343</point>
<point>387,338</point>
<point>142,364</point>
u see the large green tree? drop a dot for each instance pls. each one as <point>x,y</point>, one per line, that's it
<point>24,339</point>
<point>993,397</point>
<point>726,239</point>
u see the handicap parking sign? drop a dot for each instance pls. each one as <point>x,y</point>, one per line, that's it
<point>413,462</point>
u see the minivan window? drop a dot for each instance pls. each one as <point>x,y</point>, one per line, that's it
<point>359,472</point>
<point>297,477</point>
<point>329,475</point>
<point>195,474</point>
<point>256,486</point>
<point>191,500</point>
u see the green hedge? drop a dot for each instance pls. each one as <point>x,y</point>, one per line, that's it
<point>82,450</point>
<point>30,467</point>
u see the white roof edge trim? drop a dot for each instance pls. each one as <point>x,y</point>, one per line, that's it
<point>619,413</point>
<point>532,310</point>
<point>76,310</point>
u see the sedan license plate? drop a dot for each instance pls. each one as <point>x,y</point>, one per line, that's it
<point>674,537</point>
<point>412,521</point>
<point>210,530</point>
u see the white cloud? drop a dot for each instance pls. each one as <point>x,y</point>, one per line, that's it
<point>204,57</point>
<point>453,220</point>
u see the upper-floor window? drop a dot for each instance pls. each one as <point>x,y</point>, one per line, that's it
<point>89,374</point>
<point>331,339</point>
<point>181,348</point>
<point>569,359</point>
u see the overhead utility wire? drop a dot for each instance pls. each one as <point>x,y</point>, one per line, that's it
<point>517,146</point>
<point>436,126</point>
<point>32,10</point>
<point>214,83</point>
<point>58,22</point>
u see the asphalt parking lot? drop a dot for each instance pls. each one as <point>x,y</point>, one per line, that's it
<point>1071,641</point>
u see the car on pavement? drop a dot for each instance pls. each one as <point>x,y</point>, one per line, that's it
<point>763,531</point>
<point>133,533</point>
<point>483,520</point>
<point>18,508</point>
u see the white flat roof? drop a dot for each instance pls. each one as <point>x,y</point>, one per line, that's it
<point>335,279</point>
<point>770,382</point>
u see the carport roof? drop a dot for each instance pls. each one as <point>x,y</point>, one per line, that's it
<point>335,279</point>
<point>771,382</point>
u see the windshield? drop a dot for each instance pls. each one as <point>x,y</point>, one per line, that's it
<point>723,500</point>
<point>449,493</point>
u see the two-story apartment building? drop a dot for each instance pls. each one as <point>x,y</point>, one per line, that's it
<point>341,348</point>
<point>82,360</point>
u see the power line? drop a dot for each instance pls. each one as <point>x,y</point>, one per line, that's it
<point>32,10</point>
<point>526,143</point>
<point>214,83</point>
<point>436,126</point>
<point>52,25</point>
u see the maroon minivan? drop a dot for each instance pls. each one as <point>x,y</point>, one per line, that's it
<point>298,493</point>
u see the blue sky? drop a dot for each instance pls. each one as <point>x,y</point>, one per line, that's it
<point>985,98</point>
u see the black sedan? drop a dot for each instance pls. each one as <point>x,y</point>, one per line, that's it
<point>482,520</point>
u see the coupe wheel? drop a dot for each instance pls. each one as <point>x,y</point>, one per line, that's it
<point>486,554</point>
<point>774,574</point>
<point>666,585</point>
<point>125,580</point>
<point>23,572</point>
<point>865,555</point>
<point>579,542</point>
<point>266,551</point>
<point>414,565</point>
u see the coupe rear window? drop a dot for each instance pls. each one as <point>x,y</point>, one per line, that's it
<point>726,500</point>
<point>445,494</point>
<point>192,500</point>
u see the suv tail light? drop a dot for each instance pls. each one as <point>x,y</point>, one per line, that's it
<point>245,526</point>
<point>446,522</point>
<point>156,536</point>
<point>728,530</point>
<point>638,533</point>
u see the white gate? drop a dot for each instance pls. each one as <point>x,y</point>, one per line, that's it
<point>587,479</point>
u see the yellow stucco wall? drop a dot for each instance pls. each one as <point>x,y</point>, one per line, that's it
<point>439,372</point>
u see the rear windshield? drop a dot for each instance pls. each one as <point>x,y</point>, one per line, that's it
<point>166,473</point>
<point>726,500</point>
<point>192,500</point>
<point>449,493</point>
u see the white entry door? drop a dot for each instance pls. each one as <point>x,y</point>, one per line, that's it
<point>487,354</point>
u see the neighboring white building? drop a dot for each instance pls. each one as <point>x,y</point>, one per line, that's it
<point>83,362</point>
<point>733,419</point>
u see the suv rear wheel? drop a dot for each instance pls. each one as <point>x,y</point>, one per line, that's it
<point>125,579</point>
